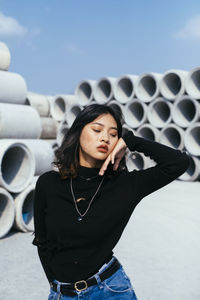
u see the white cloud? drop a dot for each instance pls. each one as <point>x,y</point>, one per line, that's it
<point>10,26</point>
<point>190,30</point>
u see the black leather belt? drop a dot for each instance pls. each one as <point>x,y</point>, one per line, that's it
<point>70,289</point>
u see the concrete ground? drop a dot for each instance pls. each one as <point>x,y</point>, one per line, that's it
<point>159,249</point>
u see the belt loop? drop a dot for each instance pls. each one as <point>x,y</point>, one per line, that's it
<point>58,286</point>
<point>98,279</point>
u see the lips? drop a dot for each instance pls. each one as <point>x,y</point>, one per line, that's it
<point>103,148</point>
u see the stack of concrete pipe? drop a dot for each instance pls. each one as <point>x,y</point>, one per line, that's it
<point>27,133</point>
<point>160,107</point>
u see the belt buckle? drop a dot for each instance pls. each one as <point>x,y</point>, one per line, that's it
<point>75,285</point>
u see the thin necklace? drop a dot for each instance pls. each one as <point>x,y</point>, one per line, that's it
<point>82,215</point>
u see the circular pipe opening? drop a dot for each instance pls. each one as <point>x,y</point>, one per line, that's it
<point>171,137</point>
<point>84,92</point>
<point>147,87</point>
<point>159,114</point>
<point>7,213</point>
<point>193,84</point>
<point>27,209</point>
<point>185,112</point>
<point>116,107</point>
<point>171,85</point>
<point>192,140</point>
<point>103,90</point>
<point>15,167</point>
<point>134,114</point>
<point>125,89</point>
<point>135,161</point>
<point>147,133</point>
<point>59,108</point>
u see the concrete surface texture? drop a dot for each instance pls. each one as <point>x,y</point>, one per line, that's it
<point>159,249</point>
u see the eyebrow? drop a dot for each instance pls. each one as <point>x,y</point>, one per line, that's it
<point>103,125</point>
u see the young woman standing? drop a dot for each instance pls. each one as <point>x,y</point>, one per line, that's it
<point>81,211</point>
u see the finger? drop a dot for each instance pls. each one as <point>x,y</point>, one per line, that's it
<point>116,165</point>
<point>104,166</point>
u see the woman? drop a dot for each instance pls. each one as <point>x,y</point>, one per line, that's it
<point>81,211</point>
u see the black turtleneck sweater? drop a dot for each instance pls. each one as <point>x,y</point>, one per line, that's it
<point>72,250</point>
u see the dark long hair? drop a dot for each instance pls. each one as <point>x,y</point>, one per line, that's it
<point>67,155</point>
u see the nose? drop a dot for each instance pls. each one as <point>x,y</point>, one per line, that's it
<point>104,137</point>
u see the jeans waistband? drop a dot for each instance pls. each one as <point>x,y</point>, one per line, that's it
<point>103,268</point>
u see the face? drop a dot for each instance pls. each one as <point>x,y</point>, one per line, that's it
<point>101,131</point>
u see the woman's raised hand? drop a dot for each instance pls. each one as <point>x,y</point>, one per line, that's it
<point>115,156</point>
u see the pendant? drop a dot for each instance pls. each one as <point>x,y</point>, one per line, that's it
<point>80,219</point>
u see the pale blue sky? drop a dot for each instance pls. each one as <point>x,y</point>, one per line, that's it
<point>56,43</point>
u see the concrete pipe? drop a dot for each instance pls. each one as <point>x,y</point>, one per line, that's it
<point>62,130</point>
<point>124,88</point>
<point>147,86</point>
<point>39,102</point>
<point>185,111</point>
<point>192,83</point>
<point>118,107</point>
<point>193,172</point>
<point>43,153</point>
<point>4,57</point>
<point>192,139</point>
<point>24,209</point>
<point>172,84</point>
<point>72,111</point>
<point>59,106</point>
<point>159,112</point>
<point>84,91</point>
<point>7,212</point>
<point>19,121</point>
<point>103,89</point>
<point>136,161</point>
<point>53,143</point>
<point>135,113</point>
<point>17,165</point>
<point>126,128</point>
<point>172,136</point>
<point>13,88</point>
<point>49,128</point>
<point>148,132</point>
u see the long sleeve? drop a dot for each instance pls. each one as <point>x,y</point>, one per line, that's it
<point>40,239</point>
<point>170,164</point>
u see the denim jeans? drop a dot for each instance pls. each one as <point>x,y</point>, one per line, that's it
<point>117,286</point>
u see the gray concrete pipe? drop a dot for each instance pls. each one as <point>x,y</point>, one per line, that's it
<point>17,165</point>
<point>118,107</point>
<point>53,143</point>
<point>24,208</point>
<point>43,154</point>
<point>193,172</point>
<point>4,57</point>
<point>59,105</point>
<point>62,130</point>
<point>192,139</point>
<point>103,89</point>
<point>137,161</point>
<point>172,84</point>
<point>124,88</point>
<point>13,88</point>
<point>126,128</point>
<point>19,121</point>
<point>148,132</point>
<point>7,210</point>
<point>49,128</point>
<point>192,83</point>
<point>135,113</point>
<point>84,91</point>
<point>39,102</point>
<point>147,86</point>
<point>72,111</point>
<point>172,136</point>
<point>185,111</point>
<point>159,112</point>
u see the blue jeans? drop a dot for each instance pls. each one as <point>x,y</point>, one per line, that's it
<point>117,286</point>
